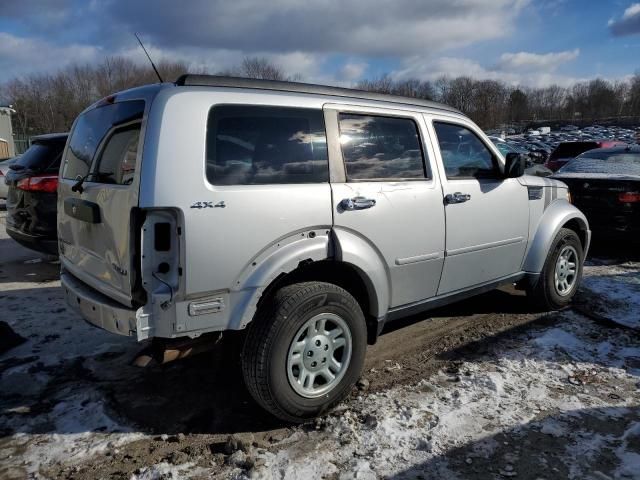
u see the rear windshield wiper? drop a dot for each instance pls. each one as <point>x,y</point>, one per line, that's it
<point>77,187</point>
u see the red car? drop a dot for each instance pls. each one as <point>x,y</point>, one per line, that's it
<point>566,151</point>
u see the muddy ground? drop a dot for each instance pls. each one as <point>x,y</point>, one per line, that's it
<point>185,412</point>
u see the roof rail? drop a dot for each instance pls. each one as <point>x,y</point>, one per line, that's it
<point>297,87</point>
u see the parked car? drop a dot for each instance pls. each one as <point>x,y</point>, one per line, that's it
<point>31,200</point>
<point>605,185</point>
<point>531,168</point>
<point>309,216</point>
<point>565,151</point>
<point>4,169</point>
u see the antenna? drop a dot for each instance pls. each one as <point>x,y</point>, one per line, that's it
<point>151,61</point>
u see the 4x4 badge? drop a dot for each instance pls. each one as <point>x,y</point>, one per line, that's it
<point>207,205</point>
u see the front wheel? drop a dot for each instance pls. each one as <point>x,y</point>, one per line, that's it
<point>305,350</point>
<point>561,274</point>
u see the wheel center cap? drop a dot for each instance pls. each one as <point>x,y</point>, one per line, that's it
<point>317,353</point>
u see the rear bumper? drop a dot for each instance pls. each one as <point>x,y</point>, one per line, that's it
<point>97,309</point>
<point>39,243</point>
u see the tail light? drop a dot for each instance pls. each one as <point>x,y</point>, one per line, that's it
<point>629,197</point>
<point>43,183</point>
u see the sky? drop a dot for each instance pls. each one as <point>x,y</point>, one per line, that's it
<point>522,42</point>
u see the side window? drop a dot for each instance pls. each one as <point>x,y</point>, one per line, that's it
<point>464,155</point>
<point>251,145</point>
<point>378,148</point>
<point>117,162</point>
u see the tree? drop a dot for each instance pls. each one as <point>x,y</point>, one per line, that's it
<point>518,106</point>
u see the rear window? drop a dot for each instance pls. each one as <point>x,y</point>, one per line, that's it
<point>253,145</point>
<point>90,131</point>
<point>42,156</point>
<point>117,162</point>
<point>613,164</point>
<point>572,149</point>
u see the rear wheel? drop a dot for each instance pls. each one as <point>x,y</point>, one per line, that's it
<point>305,350</point>
<point>561,274</point>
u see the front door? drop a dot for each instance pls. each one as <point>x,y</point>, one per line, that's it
<point>390,197</point>
<point>487,215</point>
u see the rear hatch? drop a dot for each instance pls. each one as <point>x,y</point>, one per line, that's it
<point>98,196</point>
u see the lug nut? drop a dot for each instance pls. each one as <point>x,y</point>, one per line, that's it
<point>317,343</point>
<point>309,353</point>
<point>313,364</point>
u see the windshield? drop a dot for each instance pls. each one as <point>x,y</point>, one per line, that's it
<point>616,164</point>
<point>42,156</point>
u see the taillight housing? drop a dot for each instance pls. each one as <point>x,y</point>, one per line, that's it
<point>41,183</point>
<point>629,197</point>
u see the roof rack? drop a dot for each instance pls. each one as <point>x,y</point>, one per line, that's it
<point>297,87</point>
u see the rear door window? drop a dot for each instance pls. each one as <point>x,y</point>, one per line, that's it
<point>380,148</point>
<point>253,145</point>
<point>90,131</point>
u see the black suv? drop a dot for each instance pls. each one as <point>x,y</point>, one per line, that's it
<point>32,196</point>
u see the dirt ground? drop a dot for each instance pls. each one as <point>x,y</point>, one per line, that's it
<point>73,407</point>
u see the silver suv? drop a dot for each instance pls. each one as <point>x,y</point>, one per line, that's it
<point>308,216</point>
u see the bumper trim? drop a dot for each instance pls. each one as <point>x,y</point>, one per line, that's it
<point>98,309</point>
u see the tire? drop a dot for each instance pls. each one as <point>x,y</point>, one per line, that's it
<point>546,294</point>
<point>270,362</point>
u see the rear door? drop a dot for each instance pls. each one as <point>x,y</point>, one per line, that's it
<point>95,222</point>
<point>390,196</point>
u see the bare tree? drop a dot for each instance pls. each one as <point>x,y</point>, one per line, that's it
<point>50,102</point>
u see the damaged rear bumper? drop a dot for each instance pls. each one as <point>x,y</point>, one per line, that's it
<point>101,311</point>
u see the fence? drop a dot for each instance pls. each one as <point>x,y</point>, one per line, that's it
<point>22,142</point>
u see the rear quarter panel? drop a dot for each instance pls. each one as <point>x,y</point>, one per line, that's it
<point>222,244</point>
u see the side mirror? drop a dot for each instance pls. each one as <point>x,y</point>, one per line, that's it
<point>515,165</point>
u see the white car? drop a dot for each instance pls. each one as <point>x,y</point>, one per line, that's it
<point>308,216</point>
<point>4,168</point>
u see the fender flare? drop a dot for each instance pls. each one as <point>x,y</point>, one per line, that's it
<point>554,218</point>
<point>287,255</point>
<point>280,258</point>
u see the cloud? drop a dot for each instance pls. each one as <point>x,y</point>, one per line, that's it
<point>45,56</point>
<point>628,24</point>
<point>527,61</point>
<point>352,71</point>
<point>361,27</point>
<point>432,69</point>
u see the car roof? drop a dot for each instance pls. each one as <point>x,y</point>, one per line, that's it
<point>190,80</point>
<point>50,138</point>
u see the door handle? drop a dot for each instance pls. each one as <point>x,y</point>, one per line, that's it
<point>457,198</point>
<point>357,203</point>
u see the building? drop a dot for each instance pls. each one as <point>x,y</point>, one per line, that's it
<point>7,147</point>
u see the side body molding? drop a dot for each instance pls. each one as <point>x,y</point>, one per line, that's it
<point>353,249</point>
<point>554,217</point>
